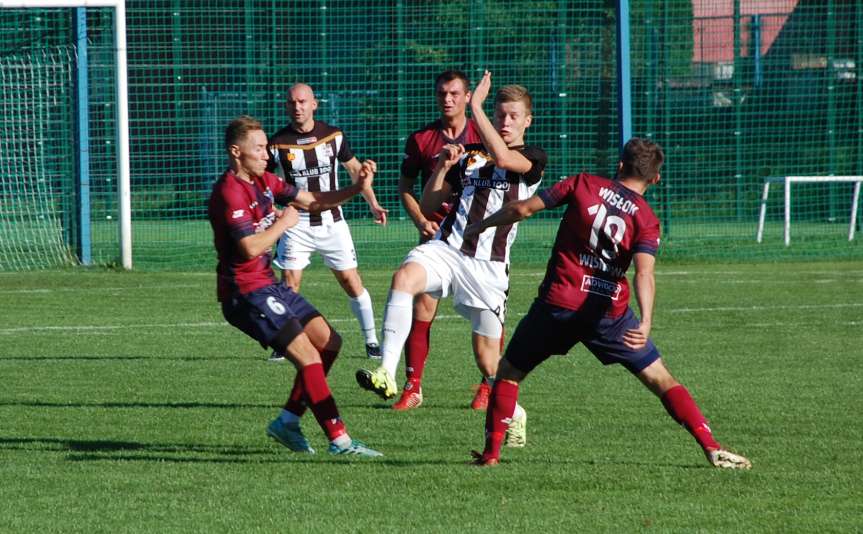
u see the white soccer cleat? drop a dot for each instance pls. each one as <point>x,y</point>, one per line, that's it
<point>516,434</point>
<point>727,460</point>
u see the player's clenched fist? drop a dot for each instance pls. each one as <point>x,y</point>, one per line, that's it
<point>367,173</point>
<point>449,155</point>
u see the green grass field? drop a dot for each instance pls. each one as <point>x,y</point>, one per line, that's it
<point>128,405</point>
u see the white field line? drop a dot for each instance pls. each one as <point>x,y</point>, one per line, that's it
<point>307,284</point>
<point>221,324</point>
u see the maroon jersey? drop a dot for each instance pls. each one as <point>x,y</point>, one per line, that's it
<point>422,149</point>
<point>604,225</point>
<point>238,209</point>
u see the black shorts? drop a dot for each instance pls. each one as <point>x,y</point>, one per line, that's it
<point>272,315</point>
<point>548,329</point>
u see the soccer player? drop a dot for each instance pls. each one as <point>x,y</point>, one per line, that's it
<point>246,224</point>
<point>585,295</point>
<point>307,152</point>
<point>475,271</point>
<point>452,92</point>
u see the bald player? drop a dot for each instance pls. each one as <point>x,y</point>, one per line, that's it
<point>306,153</point>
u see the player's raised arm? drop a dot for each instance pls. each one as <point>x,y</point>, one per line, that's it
<point>353,166</point>
<point>645,292</point>
<point>437,189</point>
<point>315,201</point>
<point>511,160</point>
<point>511,212</point>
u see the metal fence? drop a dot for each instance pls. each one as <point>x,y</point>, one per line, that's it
<point>735,91</point>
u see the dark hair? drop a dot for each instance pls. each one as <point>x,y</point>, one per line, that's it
<point>514,93</point>
<point>450,75</point>
<point>238,129</point>
<point>641,158</point>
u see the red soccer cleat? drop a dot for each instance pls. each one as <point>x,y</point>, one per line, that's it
<point>482,460</point>
<point>480,400</point>
<point>412,397</point>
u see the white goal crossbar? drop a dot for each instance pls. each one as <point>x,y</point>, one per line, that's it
<point>788,180</point>
<point>123,181</point>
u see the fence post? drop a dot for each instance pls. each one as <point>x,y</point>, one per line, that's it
<point>858,27</point>
<point>666,116</point>
<point>831,105</point>
<point>624,75</point>
<point>738,114</point>
<point>83,246</point>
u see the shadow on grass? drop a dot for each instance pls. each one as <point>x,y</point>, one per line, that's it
<point>79,450</point>
<point>137,405</point>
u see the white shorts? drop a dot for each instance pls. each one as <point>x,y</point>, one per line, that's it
<point>333,242</point>
<point>473,283</point>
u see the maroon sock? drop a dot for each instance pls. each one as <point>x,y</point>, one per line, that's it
<point>417,350</point>
<point>321,400</point>
<point>682,408</point>
<point>501,406</point>
<point>296,403</point>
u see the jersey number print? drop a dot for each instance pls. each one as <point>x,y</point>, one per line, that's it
<point>611,225</point>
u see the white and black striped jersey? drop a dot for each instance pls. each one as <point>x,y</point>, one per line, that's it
<point>483,189</point>
<point>310,161</point>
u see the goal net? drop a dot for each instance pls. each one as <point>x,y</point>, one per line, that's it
<point>64,159</point>
<point>36,158</point>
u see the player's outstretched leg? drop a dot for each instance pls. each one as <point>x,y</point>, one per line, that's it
<point>683,409</point>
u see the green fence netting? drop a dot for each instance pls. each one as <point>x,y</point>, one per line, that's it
<point>736,91</point>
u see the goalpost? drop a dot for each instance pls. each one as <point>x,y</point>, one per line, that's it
<point>787,181</point>
<point>122,99</point>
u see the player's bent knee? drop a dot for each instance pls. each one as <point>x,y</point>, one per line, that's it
<point>322,335</point>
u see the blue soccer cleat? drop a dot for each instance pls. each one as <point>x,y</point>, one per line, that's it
<point>290,435</point>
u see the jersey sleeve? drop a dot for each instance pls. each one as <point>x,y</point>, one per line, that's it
<point>538,159</point>
<point>559,193</point>
<point>346,153</point>
<point>283,192</point>
<point>237,216</point>
<point>647,240</point>
<point>411,162</point>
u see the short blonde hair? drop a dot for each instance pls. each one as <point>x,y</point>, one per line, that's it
<point>514,93</point>
<point>239,128</point>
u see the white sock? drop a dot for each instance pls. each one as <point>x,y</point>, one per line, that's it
<point>288,417</point>
<point>344,441</point>
<point>398,315</point>
<point>362,308</point>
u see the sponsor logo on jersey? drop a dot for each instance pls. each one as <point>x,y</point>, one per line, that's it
<point>237,214</point>
<point>598,286</point>
<point>306,140</point>
<point>328,151</point>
